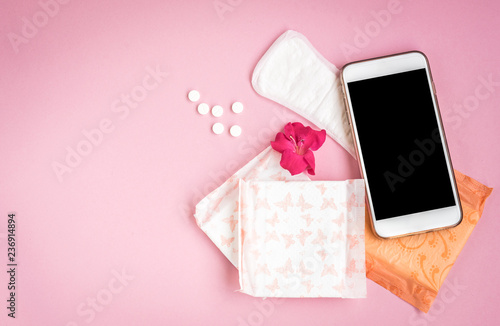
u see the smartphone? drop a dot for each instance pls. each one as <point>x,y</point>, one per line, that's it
<point>400,145</point>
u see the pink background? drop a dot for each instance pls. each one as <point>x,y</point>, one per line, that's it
<point>129,203</point>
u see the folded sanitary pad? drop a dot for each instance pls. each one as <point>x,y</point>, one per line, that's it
<point>302,238</point>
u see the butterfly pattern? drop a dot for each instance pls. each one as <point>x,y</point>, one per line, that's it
<point>262,203</point>
<point>321,187</point>
<point>255,187</point>
<point>320,239</point>
<point>353,240</point>
<point>286,203</point>
<point>217,204</point>
<point>288,240</point>
<point>303,235</point>
<point>339,220</point>
<point>226,241</point>
<point>352,202</point>
<point>351,268</point>
<point>273,220</point>
<point>231,221</point>
<point>322,254</point>
<point>329,269</point>
<point>308,219</point>
<point>304,271</point>
<point>308,286</point>
<point>285,269</point>
<point>304,206</point>
<point>328,203</point>
<point>272,236</point>
<point>273,287</point>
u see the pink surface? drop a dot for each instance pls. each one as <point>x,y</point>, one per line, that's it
<point>114,242</point>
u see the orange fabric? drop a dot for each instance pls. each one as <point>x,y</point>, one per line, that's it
<point>415,267</point>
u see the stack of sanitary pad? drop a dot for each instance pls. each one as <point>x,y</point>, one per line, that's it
<point>289,236</point>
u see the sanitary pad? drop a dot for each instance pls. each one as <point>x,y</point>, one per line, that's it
<point>297,76</point>
<point>302,238</point>
<point>415,267</point>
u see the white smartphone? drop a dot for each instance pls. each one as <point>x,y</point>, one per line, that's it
<point>401,145</point>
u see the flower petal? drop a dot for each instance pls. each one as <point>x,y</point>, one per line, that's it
<point>319,139</point>
<point>281,143</point>
<point>289,129</point>
<point>293,162</point>
<point>312,139</point>
<point>311,162</point>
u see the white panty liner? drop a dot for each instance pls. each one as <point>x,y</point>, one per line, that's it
<point>294,74</point>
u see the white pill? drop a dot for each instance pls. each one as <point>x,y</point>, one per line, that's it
<point>235,131</point>
<point>237,107</point>
<point>203,108</point>
<point>218,128</point>
<point>194,96</point>
<point>217,111</point>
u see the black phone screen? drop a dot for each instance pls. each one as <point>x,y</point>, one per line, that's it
<point>399,139</point>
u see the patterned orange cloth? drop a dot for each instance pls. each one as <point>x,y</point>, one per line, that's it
<point>415,267</point>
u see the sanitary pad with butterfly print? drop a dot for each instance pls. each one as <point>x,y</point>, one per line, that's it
<point>299,238</point>
<point>302,238</point>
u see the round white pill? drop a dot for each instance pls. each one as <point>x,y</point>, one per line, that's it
<point>203,108</point>
<point>218,128</point>
<point>194,96</point>
<point>237,107</point>
<point>217,111</point>
<point>235,131</point>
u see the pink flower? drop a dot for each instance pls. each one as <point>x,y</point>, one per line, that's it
<point>296,144</point>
